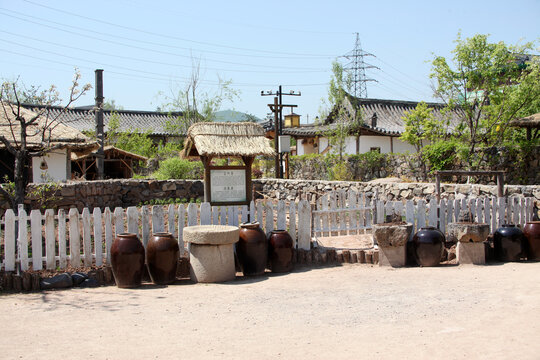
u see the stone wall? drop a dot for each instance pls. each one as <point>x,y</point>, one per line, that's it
<point>311,190</point>
<point>519,170</point>
<point>124,193</point>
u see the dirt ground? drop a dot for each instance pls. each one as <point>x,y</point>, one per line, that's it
<point>354,311</point>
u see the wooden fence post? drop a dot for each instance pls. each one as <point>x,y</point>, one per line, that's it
<point>304,225</point>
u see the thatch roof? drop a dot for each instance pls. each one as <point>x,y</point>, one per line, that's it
<point>226,139</point>
<point>532,121</point>
<point>57,135</point>
<point>79,155</point>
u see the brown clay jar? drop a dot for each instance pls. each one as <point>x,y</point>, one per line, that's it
<point>252,249</point>
<point>531,231</point>
<point>127,260</point>
<point>280,251</point>
<point>428,246</point>
<point>162,253</point>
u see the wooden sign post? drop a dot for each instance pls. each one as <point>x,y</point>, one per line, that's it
<point>228,185</point>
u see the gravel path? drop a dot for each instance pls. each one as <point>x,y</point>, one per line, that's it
<point>345,312</point>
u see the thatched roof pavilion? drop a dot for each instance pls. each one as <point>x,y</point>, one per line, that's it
<point>227,185</point>
<point>227,139</point>
<point>529,122</point>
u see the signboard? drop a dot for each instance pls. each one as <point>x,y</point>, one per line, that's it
<point>228,185</point>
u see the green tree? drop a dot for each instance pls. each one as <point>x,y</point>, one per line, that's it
<point>23,124</point>
<point>421,128</point>
<point>334,108</point>
<point>488,85</point>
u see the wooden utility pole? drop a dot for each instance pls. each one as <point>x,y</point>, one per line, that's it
<point>99,125</point>
<point>277,108</point>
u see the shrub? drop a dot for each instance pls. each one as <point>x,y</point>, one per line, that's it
<point>176,168</point>
<point>440,155</point>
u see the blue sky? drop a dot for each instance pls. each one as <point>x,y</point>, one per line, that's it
<point>147,47</point>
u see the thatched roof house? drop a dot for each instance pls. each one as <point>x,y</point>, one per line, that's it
<point>226,139</point>
<point>57,134</point>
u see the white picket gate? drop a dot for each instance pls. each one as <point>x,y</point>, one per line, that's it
<point>342,213</point>
<point>74,238</point>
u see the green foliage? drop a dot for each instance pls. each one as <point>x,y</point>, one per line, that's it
<point>342,124</point>
<point>329,167</point>
<point>339,172</point>
<point>440,155</point>
<point>421,126</point>
<point>139,142</point>
<point>176,168</point>
<point>136,142</point>
<point>170,201</point>
<point>370,159</point>
<point>488,84</point>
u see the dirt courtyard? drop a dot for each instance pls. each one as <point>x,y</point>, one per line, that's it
<point>354,311</point>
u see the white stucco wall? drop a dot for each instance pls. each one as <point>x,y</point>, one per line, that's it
<point>56,167</point>
<point>403,147</point>
<point>366,143</point>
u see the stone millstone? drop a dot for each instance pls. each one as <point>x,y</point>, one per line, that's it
<point>211,234</point>
<point>391,234</point>
<point>211,252</point>
<point>467,232</point>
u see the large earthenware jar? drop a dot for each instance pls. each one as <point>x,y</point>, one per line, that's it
<point>280,251</point>
<point>127,260</point>
<point>531,231</point>
<point>508,243</point>
<point>252,249</point>
<point>428,246</point>
<point>162,258</point>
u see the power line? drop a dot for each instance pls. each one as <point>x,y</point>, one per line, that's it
<point>138,75</point>
<point>302,69</point>
<point>163,35</point>
<point>159,62</point>
<point>108,35</point>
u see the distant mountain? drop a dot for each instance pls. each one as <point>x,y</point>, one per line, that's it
<point>234,116</point>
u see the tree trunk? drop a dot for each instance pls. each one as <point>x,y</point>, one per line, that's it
<point>20,177</point>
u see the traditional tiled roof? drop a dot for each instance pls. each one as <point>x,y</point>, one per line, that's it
<point>380,117</point>
<point>83,119</point>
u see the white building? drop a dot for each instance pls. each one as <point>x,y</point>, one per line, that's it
<point>381,126</point>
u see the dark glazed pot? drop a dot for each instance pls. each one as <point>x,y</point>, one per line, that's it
<point>280,251</point>
<point>162,253</point>
<point>531,231</point>
<point>127,260</point>
<point>428,246</point>
<point>252,249</point>
<point>508,243</point>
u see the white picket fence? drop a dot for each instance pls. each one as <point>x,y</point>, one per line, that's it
<point>349,213</point>
<point>58,239</point>
<point>74,238</point>
<point>493,211</point>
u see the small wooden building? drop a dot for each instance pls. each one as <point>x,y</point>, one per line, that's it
<point>227,185</point>
<point>118,163</point>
